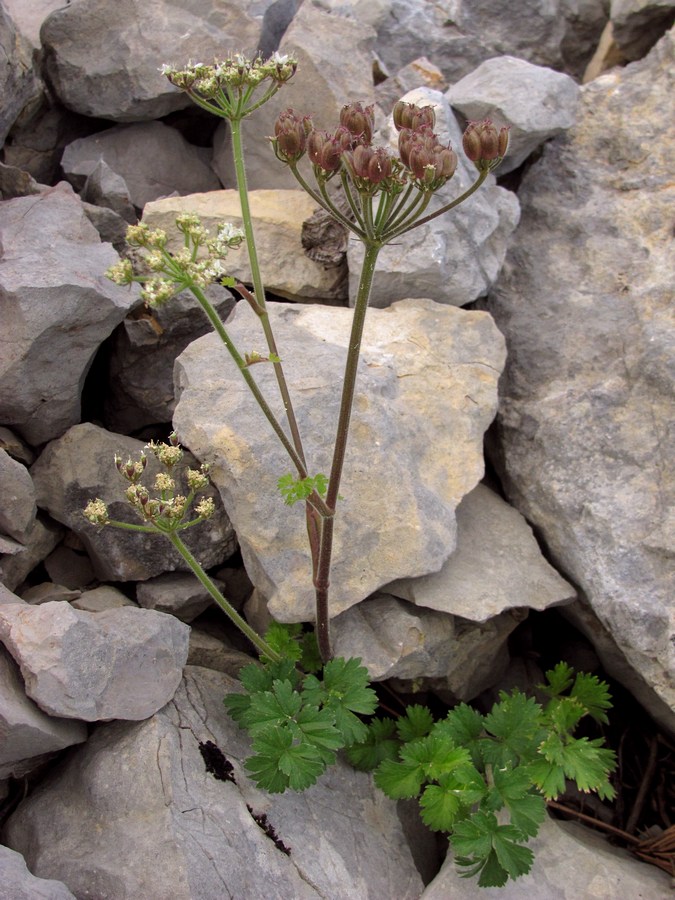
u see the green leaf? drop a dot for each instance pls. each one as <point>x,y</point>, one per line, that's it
<point>310,658</point>
<point>527,813</point>
<point>279,762</point>
<point>443,804</point>
<point>517,722</point>
<point>435,756</point>
<point>318,729</point>
<point>585,761</point>
<point>273,708</point>
<point>512,788</point>
<point>416,723</point>
<point>464,726</point>
<point>399,780</point>
<point>493,850</point>
<point>344,691</point>
<point>283,638</point>
<point>238,706</point>
<point>563,714</point>
<point>548,777</point>
<point>559,680</point>
<point>593,695</point>
<point>294,489</point>
<point>379,744</point>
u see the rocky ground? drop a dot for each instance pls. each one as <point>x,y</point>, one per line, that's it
<point>509,486</point>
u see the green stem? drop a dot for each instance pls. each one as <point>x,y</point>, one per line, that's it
<point>227,608</point>
<point>322,580</point>
<point>258,289</point>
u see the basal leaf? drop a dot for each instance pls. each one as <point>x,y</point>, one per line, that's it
<point>416,723</point>
<point>443,804</point>
<point>464,726</point>
<point>559,679</point>
<point>399,780</point>
<point>435,756</point>
<point>564,714</point>
<point>593,695</point>
<point>379,743</point>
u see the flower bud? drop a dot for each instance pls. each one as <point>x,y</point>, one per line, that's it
<point>484,145</point>
<point>323,151</point>
<point>290,138</point>
<point>359,121</point>
<point>370,164</point>
<point>408,115</point>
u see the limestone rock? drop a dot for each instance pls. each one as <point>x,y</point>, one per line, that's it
<point>570,862</point>
<point>17,498</point>
<point>79,467</point>
<point>278,217</point>
<point>43,537</point>
<point>537,103</point>
<point>497,566</point>
<point>152,159</point>
<point>29,736</point>
<point>179,594</point>
<point>638,24</point>
<point>135,789</point>
<point>104,61</point>
<point>585,302</point>
<point>395,639</point>
<point>458,36</point>
<point>19,84</point>
<point>19,884</point>
<point>142,353</point>
<point>334,54</point>
<point>123,663</point>
<point>55,304</point>
<point>425,394</point>
<point>453,259</point>
<point>101,598</point>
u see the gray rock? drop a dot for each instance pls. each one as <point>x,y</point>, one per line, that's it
<point>104,187</point>
<point>79,467</point>
<point>17,498</point>
<point>70,567</point>
<point>104,61</point>
<point>214,651</point>
<point>19,884</point>
<point>152,160</point>
<point>142,354</point>
<point>416,424</point>
<point>278,217</point>
<point>20,86</point>
<point>397,640</point>
<point>497,566</point>
<point>537,103</point>
<point>180,595</point>
<point>44,536</point>
<point>56,305</point>
<point>140,817</point>
<point>121,663</point>
<point>16,448</point>
<point>459,35</point>
<point>48,592</point>
<point>586,408</point>
<point>570,862</point>
<point>334,56</point>
<point>453,259</point>
<point>29,736</point>
<point>101,598</point>
<point>638,24</point>
<point>28,17</point>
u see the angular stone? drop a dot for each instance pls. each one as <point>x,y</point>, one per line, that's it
<point>19,83</point>
<point>458,36</point>
<point>55,304</point>
<point>142,354</point>
<point>101,598</point>
<point>19,884</point>
<point>44,536</point>
<point>80,467</point>
<point>152,160</point>
<point>397,640</point>
<point>179,594</point>
<point>17,498</point>
<point>117,664</point>
<point>104,61</point>
<point>334,54</point>
<point>47,592</point>
<point>537,103</point>
<point>453,259</point>
<point>497,566</point>
<point>104,187</point>
<point>70,567</point>
<point>29,736</point>
<point>425,394</point>
<point>278,217</point>
<point>570,862</point>
<point>585,302</point>
<point>638,24</point>
<point>137,788</point>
